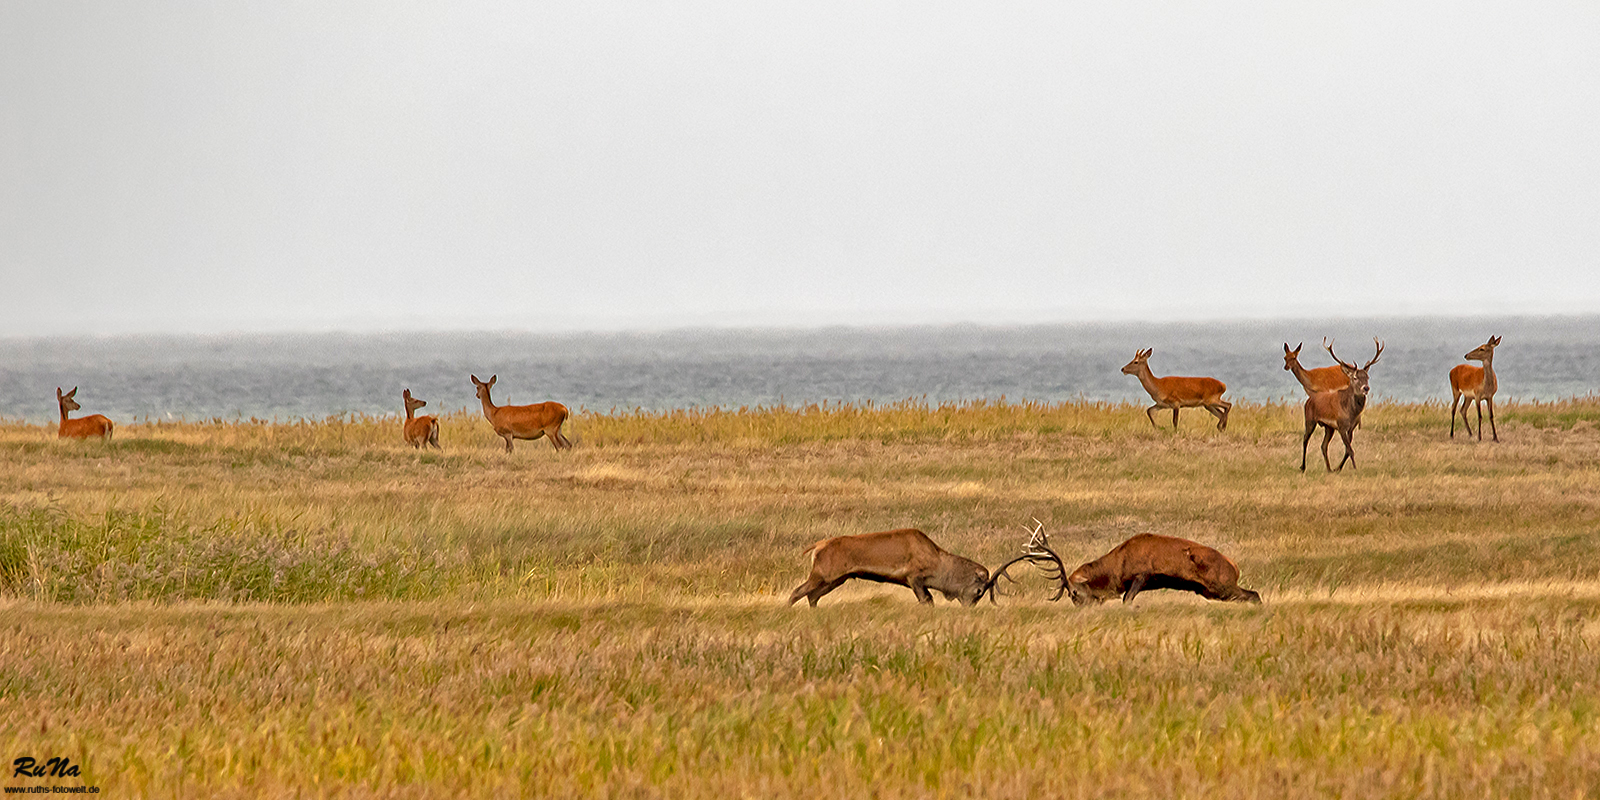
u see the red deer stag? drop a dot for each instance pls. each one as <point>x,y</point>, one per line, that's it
<point>1338,410</point>
<point>905,557</point>
<point>1175,393</point>
<point>92,425</point>
<point>523,422</point>
<point>419,431</point>
<point>1148,561</point>
<point>1476,385</point>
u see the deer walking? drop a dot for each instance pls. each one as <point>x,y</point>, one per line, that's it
<point>422,430</point>
<point>83,428</point>
<point>1475,385</point>
<point>1175,392</point>
<point>1338,410</point>
<point>523,422</point>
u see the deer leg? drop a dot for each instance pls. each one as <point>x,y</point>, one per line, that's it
<point>507,437</point>
<point>921,590</point>
<point>1465,402</point>
<point>1328,437</point>
<point>817,593</point>
<point>1349,455</point>
<point>1492,428</point>
<point>1151,413</point>
<point>1174,418</point>
<point>812,584</point>
<point>1454,401</point>
<point>1304,441</point>
<point>555,439</point>
<point>1227,408</point>
<point>1134,587</point>
<point>1478,404</point>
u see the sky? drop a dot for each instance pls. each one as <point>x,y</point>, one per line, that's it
<point>275,166</point>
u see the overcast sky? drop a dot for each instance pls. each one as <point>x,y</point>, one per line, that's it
<point>593,165</point>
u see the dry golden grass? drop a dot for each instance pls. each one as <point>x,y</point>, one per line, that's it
<point>248,608</point>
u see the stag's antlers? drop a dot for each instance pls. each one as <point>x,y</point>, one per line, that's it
<point>1328,345</point>
<point>1038,553</point>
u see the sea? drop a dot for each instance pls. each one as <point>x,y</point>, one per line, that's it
<point>288,377</point>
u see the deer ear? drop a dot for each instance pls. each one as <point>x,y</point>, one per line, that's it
<point>73,392</point>
<point>475,381</point>
<point>492,379</point>
<point>59,395</point>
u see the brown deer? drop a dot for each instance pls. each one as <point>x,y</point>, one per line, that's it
<point>1142,563</point>
<point>92,425</point>
<point>1476,385</point>
<point>1320,379</point>
<point>419,430</point>
<point>1338,410</point>
<point>523,422</point>
<point>1175,392</point>
<point>905,557</point>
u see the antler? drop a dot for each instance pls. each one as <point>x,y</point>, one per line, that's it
<point>1375,353</point>
<point>1327,344</point>
<point>1038,553</point>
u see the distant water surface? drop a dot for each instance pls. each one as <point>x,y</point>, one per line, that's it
<point>318,375</point>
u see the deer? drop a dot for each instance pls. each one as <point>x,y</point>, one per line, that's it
<point>1143,563</point>
<point>83,428</point>
<point>419,430</point>
<point>1175,392</point>
<point>904,557</point>
<point>523,422</point>
<point>1338,410</point>
<point>1320,379</point>
<point>1476,385</point>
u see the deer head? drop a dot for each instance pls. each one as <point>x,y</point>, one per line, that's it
<point>412,404</point>
<point>65,400</point>
<point>1485,351</point>
<point>1291,357</point>
<point>1359,383</point>
<point>1138,363</point>
<point>482,387</point>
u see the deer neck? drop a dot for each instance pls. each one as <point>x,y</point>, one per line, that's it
<point>488,407</point>
<point>1300,375</point>
<point>1147,379</point>
<point>408,413</point>
<point>1488,374</point>
<point>63,413</point>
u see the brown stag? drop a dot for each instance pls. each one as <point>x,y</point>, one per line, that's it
<point>419,430</point>
<point>1147,562</point>
<point>1476,385</point>
<point>523,422</point>
<point>1338,410</point>
<point>905,557</point>
<point>1175,392</point>
<point>92,425</point>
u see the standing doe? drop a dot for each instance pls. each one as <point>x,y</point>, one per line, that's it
<point>92,425</point>
<point>1475,385</point>
<point>1338,410</point>
<point>523,422</point>
<point>1320,379</point>
<point>419,430</point>
<point>1175,392</point>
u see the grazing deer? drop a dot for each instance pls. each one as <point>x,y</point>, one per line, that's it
<point>1175,393</point>
<point>92,425</point>
<point>419,430</point>
<point>1338,410</point>
<point>1476,385</point>
<point>523,422</point>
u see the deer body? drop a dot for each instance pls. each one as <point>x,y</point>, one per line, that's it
<point>1320,379</point>
<point>1338,410</point>
<point>1475,385</point>
<point>422,430</point>
<point>523,422</point>
<point>905,557</point>
<point>1177,392</point>
<point>83,428</point>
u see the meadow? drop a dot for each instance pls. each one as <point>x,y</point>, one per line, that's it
<point>245,607</point>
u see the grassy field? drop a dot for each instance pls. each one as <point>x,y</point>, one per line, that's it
<point>238,608</point>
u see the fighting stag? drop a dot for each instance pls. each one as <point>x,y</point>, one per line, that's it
<point>1149,561</point>
<point>904,557</point>
<point>1338,410</point>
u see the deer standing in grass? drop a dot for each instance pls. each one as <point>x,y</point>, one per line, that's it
<point>92,425</point>
<point>1175,392</point>
<point>422,430</point>
<point>1338,410</point>
<point>1320,379</point>
<point>1476,385</point>
<point>523,422</point>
